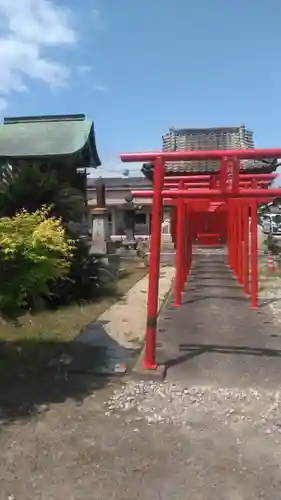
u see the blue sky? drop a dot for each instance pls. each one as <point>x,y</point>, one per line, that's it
<point>139,67</point>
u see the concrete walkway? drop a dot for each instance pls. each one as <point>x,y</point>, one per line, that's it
<point>215,337</point>
<point>117,335</point>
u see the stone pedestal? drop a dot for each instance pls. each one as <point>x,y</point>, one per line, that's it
<point>101,244</point>
<point>129,241</point>
<point>100,231</point>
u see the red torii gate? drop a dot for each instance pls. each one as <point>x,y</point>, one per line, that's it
<point>208,237</point>
<point>230,188</point>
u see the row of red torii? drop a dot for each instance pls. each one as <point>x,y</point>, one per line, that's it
<point>240,193</point>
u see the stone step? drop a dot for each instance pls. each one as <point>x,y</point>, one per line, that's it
<point>167,258</point>
<point>167,247</point>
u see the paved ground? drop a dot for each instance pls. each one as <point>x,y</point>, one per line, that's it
<point>212,435</point>
<point>215,336</point>
<point>118,334</point>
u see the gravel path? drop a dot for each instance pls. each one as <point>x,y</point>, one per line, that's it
<point>185,407</point>
<point>148,441</point>
<point>229,438</point>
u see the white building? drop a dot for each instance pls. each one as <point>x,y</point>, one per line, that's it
<point>117,189</point>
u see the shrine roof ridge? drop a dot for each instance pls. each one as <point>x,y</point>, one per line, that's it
<point>207,130</point>
<point>47,136</point>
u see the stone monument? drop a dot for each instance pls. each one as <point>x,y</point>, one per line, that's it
<point>101,241</point>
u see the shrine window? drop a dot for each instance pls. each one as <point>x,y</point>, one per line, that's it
<point>140,218</point>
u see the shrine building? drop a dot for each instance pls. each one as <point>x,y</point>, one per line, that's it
<point>211,225</point>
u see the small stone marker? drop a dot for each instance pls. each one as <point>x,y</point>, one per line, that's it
<point>120,368</point>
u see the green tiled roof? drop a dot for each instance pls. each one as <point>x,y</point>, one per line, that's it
<point>47,136</point>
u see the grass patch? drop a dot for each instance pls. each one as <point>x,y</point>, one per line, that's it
<point>66,322</point>
<point>25,350</point>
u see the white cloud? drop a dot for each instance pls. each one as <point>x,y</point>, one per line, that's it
<point>100,88</point>
<point>27,28</point>
<point>38,21</point>
<point>83,69</point>
<point>98,23</point>
<point>83,72</point>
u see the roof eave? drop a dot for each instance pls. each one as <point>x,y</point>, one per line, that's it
<point>90,142</point>
<point>86,143</point>
<point>93,148</point>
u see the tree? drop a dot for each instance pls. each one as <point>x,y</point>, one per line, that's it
<point>29,188</point>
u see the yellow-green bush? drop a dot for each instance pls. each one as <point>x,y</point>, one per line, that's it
<point>34,252</point>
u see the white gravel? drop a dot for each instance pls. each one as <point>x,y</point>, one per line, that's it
<point>271,296</point>
<point>185,407</point>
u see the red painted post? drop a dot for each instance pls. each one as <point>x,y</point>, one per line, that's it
<point>173,224</point>
<point>179,253</point>
<point>183,257</point>
<point>254,256</point>
<point>185,243</point>
<point>236,253</point>
<point>188,237</point>
<point>240,245</point>
<point>235,241</point>
<point>232,237</point>
<point>228,238</point>
<point>153,281</point>
<point>190,242</point>
<point>246,249</point>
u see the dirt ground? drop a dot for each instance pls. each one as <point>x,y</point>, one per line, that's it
<point>211,437</point>
<point>154,441</point>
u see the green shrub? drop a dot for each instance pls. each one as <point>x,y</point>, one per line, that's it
<point>82,282</point>
<point>34,253</point>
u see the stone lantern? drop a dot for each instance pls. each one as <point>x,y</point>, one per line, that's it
<point>101,242</point>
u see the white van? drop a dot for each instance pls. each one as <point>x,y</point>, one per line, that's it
<point>271,224</point>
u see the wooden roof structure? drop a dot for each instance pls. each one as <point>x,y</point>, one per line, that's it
<point>214,138</point>
<point>53,136</point>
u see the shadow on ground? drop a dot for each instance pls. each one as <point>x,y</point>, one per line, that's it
<point>193,350</point>
<point>209,297</point>
<point>37,373</point>
<point>214,337</point>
